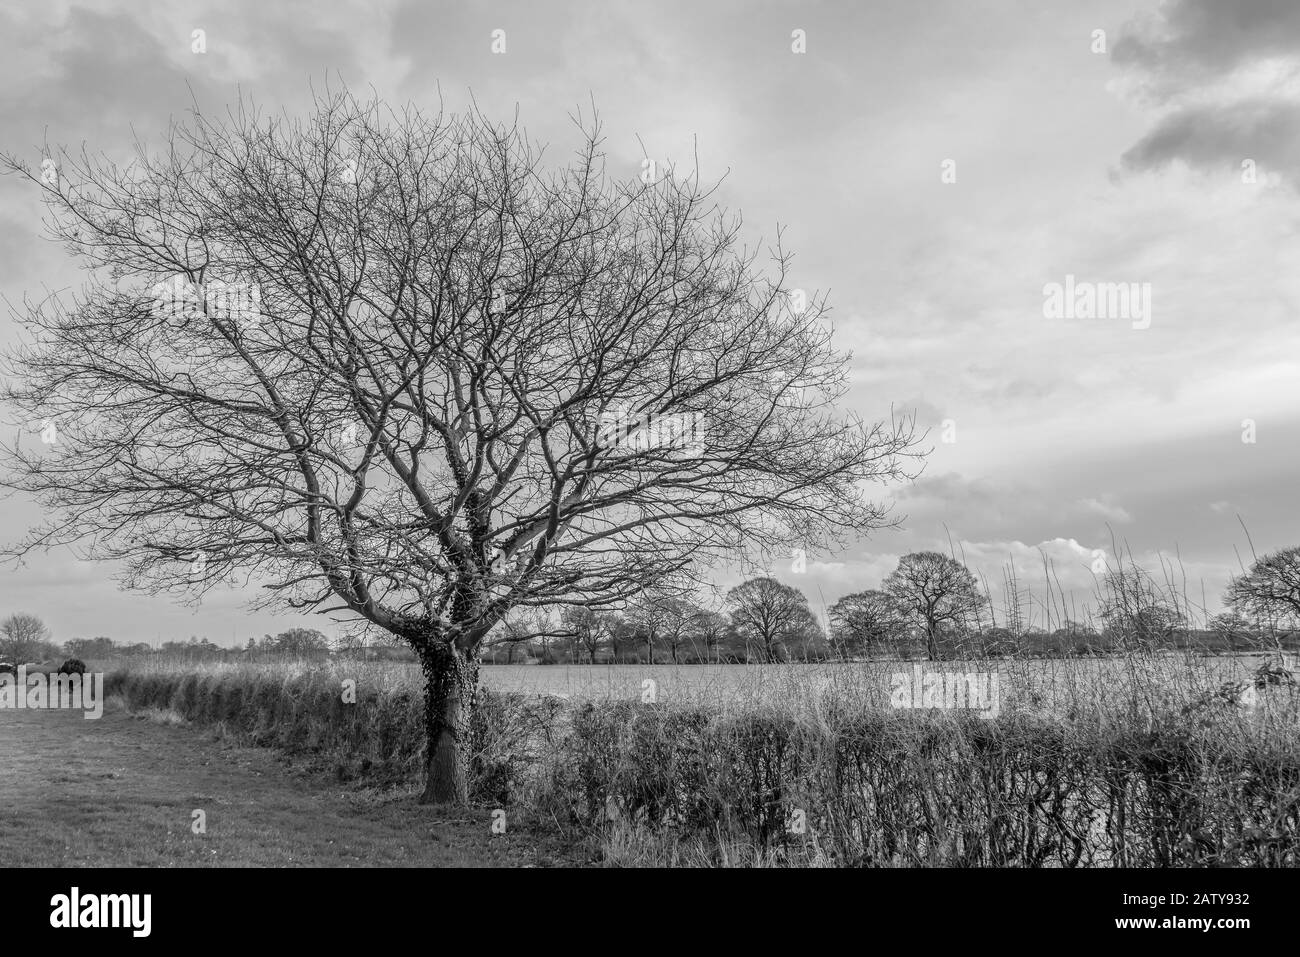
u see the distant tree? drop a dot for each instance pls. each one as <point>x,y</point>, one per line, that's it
<point>527,627</point>
<point>90,648</point>
<point>995,641</point>
<point>1038,642</point>
<point>300,642</point>
<point>647,617</point>
<point>766,612</point>
<point>934,590</point>
<point>863,620</point>
<point>804,639</point>
<point>736,645</point>
<point>711,630</point>
<point>1136,610</point>
<point>588,629</point>
<point>193,649</point>
<point>1077,638</point>
<point>23,637</point>
<point>1270,591</point>
<point>677,623</point>
<point>1231,628</point>
<point>623,632</point>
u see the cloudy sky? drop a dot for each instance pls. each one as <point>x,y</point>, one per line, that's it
<point>1170,158</point>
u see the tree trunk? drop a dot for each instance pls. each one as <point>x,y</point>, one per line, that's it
<point>451,680</point>
<point>932,642</point>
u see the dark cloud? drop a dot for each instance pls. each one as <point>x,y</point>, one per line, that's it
<point>451,43</point>
<point>107,74</point>
<point>948,487</point>
<point>972,507</point>
<point>1219,137</point>
<point>1194,40</point>
<point>928,415</point>
<point>1222,70</point>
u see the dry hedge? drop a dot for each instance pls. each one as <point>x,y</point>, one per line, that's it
<point>853,787</point>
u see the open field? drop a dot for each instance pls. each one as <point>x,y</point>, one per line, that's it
<point>1023,682</point>
<point>869,681</point>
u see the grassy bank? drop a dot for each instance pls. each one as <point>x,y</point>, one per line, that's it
<point>1080,768</point>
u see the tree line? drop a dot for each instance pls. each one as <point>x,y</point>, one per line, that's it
<point>935,600</point>
<point>26,638</point>
<point>930,606</point>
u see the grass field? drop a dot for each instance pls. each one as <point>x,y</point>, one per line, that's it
<point>1034,684</point>
<point>867,681</point>
<point>122,791</point>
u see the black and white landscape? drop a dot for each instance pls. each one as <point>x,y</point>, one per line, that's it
<point>717,434</point>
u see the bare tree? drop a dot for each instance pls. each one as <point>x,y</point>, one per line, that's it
<point>677,621</point>
<point>622,629</point>
<point>24,637</point>
<point>299,642</point>
<point>934,590</point>
<point>523,626</point>
<point>1232,627</point>
<point>804,638</point>
<point>1136,610</point>
<point>389,366</point>
<point>588,629</point>
<point>647,617</point>
<point>768,612</point>
<point>863,620</point>
<point>1270,591</point>
<point>711,629</point>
